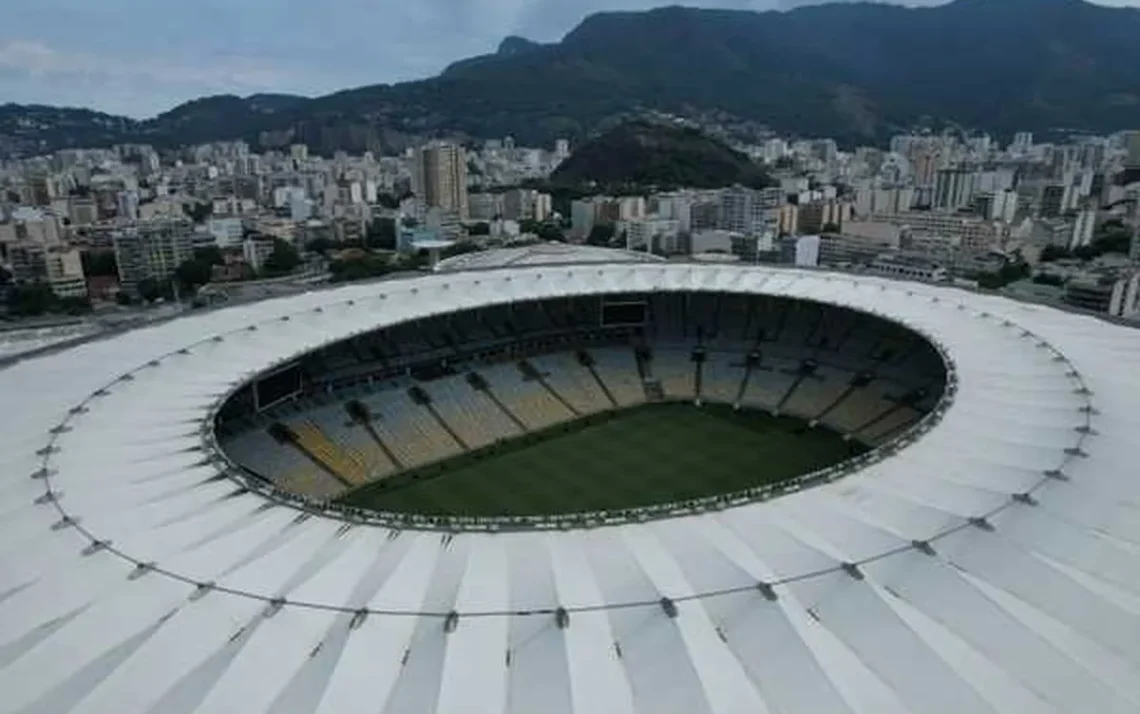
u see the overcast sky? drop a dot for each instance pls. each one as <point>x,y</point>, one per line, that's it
<point>140,57</point>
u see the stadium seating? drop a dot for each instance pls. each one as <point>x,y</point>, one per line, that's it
<point>893,422</point>
<point>462,382</point>
<point>675,370</point>
<point>528,400</point>
<point>572,382</point>
<point>346,465</point>
<point>769,382</point>
<point>816,392</point>
<point>862,405</point>
<point>617,369</point>
<point>722,376</point>
<point>476,419</point>
<point>257,451</point>
<point>352,439</point>
<point>410,430</point>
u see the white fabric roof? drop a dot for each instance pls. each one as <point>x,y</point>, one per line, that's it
<point>549,253</point>
<point>1036,609</point>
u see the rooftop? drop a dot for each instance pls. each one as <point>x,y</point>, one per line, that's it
<point>551,253</point>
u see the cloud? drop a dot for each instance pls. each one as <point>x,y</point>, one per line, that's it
<point>140,57</point>
<point>126,83</point>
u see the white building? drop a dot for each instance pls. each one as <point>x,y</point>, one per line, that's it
<point>650,233</point>
<point>128,205</point>
<point>440,177</point>
<point>227,232</point>
<point>1022,143</point>
<point>713,241</point>
<point>807,251</point>
<point>256,251</point>
<point>870,199</point>
<point>748,211</point>
<point>65,274</point>
<point>953,189</point>
<point>35,226</point>
<point>152,250</point>
<point>1083,228</point>
<point>300,208</point>
<point>484,206</point>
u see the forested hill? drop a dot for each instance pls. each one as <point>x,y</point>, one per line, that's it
<point>854,71</point>
<point>642,153</point>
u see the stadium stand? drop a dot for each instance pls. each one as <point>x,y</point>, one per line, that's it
<point>472,414</point>
<point>527,400</point>
<point>353,441</point>
<point>344,465</point>
<point>889,424</point>
<point>863,405</point>
<point>409,429</point>
<point>674,370</point>
<point>572,382</point>
<point>256,450</point>
<point>419,393</point>
<point>723,375</point>
<point>817,391</point>
<point>768,382</point>
<point>617,369</point>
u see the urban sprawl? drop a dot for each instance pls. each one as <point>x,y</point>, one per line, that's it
<point>107,229</point>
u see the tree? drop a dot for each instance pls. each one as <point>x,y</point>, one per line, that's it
<point>5,276</point>
<point>32,299</point>
<point>551,232</point>
<point>1054,252</point>
<point>1010,272</point>
<point>320,246</point>
<point>210,255</point>
<point>482,228</point>
<point>198,212</point>
<point>360,267</point>
<point>283,258</point>
<point>101,263</point>
<point>149,289</point>
<point>830,228</point>
<point>1048,279</point>
<point>381,233</point>
<point>193,273</point>
<point>601,234</point>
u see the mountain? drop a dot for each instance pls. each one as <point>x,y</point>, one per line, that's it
<point>644,153</point>
<point>856,71</point>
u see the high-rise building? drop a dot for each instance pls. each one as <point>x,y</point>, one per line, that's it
<point>128,205</point>
<point>64,268</point>
<point>1022,143</point>
<point>485,206</point>
<point>1132,146</point>
<point>152,249</point>
<point>1083,228</point>
<point>953,189</point>
<point>750,212</point>
<point>520,204</point>
<point>440,177</point>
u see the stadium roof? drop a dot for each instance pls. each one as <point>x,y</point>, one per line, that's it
<point>991,565</point>
<point>551,253</point>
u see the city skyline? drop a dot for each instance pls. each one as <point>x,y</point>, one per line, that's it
<point>129,57</point>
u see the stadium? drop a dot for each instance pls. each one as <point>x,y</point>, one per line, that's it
<point>578,481</point>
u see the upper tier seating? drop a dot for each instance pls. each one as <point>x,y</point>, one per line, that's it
<point>527,399</point>
<point>617,368</point>
<point>572,382</point>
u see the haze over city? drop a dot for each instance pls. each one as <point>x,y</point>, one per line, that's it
<point>139,58</point>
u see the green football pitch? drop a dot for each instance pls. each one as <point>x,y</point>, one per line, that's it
<point>651,454</point>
